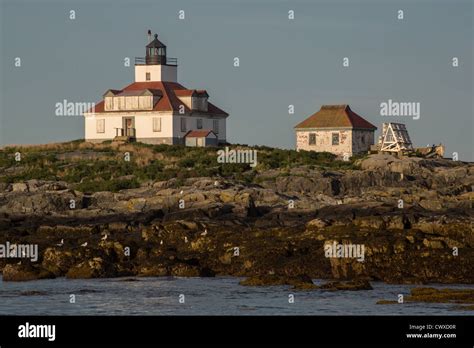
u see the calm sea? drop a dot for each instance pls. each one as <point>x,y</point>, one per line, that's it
<point>202,296</point>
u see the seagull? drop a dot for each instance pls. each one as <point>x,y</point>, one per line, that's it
<point>181,192</point>
<point>204,233</point>
<point>84,244</point>
<point>61,243</point>
<point>161,242</point>
<point>19,263</point>
<point>185,239</point>
<point>216,183</point>
<point>104,237</point>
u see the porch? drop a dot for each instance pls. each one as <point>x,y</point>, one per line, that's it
<point>125,134</point>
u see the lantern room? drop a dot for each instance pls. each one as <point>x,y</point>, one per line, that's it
<point>155,52</point>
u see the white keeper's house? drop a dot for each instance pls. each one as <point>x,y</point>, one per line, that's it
<point>156,109</point>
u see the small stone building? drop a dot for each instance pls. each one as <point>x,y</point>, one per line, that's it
<point>336,129</point>
<point>201,138</point>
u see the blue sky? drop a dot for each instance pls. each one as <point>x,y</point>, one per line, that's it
<point>282,62</point>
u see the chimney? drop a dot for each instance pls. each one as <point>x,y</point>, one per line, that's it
<point>149,35</point>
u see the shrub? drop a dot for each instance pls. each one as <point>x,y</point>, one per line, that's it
<point>187,162</point>
<point>113,185</point>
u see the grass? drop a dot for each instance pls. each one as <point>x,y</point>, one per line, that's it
<point>147,163</point>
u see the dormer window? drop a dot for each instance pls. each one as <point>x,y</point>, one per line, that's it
<point>200,103</point>
<point>195,100</point>
<point>144,99</point>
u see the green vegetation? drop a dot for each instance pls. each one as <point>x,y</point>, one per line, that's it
<point>113,185</point>
<point>101,167</point>
<point>271,158</point>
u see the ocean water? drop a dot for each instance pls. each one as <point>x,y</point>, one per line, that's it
<point>203,296</point>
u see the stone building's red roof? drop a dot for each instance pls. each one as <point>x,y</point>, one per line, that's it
<point>335,116</point>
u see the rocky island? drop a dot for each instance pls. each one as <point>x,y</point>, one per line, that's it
<point>113,210</point>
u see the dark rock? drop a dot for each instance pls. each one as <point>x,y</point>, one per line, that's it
<point>433,295</point>
<point>351,285</point>
<point>441,295</point>
<point>206,272</point>
<point>464,308</point>
<point>15,272</point>
<point>94,268</point>
<point>153,271</point>
<point>185,270</point>
<point>58,262</point>
<point>87,291</point>
<point>252,210</point>
<point>33,293</point>
<point>298,282</point>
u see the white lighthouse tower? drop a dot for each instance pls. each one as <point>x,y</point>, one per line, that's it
<point>156,66</point>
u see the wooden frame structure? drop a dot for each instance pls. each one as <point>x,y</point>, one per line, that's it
<point>395,138</point>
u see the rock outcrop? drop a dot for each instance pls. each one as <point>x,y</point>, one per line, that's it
<point>464,298</point>
<point>22,272</point>
<point>412,216</point>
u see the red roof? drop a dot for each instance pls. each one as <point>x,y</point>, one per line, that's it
<point>155,92</point>
<point>169,100</point>
<point>199,133</point>
<point>335,116</point>
<point>190,92</point>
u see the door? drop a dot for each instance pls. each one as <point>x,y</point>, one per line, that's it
<point>129,126</point>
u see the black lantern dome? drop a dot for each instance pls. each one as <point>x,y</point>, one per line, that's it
<point>155,52</point>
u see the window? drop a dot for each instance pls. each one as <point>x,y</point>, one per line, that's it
<point>335,138</point>
<point>215,126</point>
<point>100,126</point>
<point>148,76</point>
<point>156,124</point>
<point>199,123</point>
<point>362,138</point>
<point>183,124</point>
<point>312,138</point>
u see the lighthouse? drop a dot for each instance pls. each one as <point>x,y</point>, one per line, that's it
<point>155,108</point>
<point>156,66</point>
